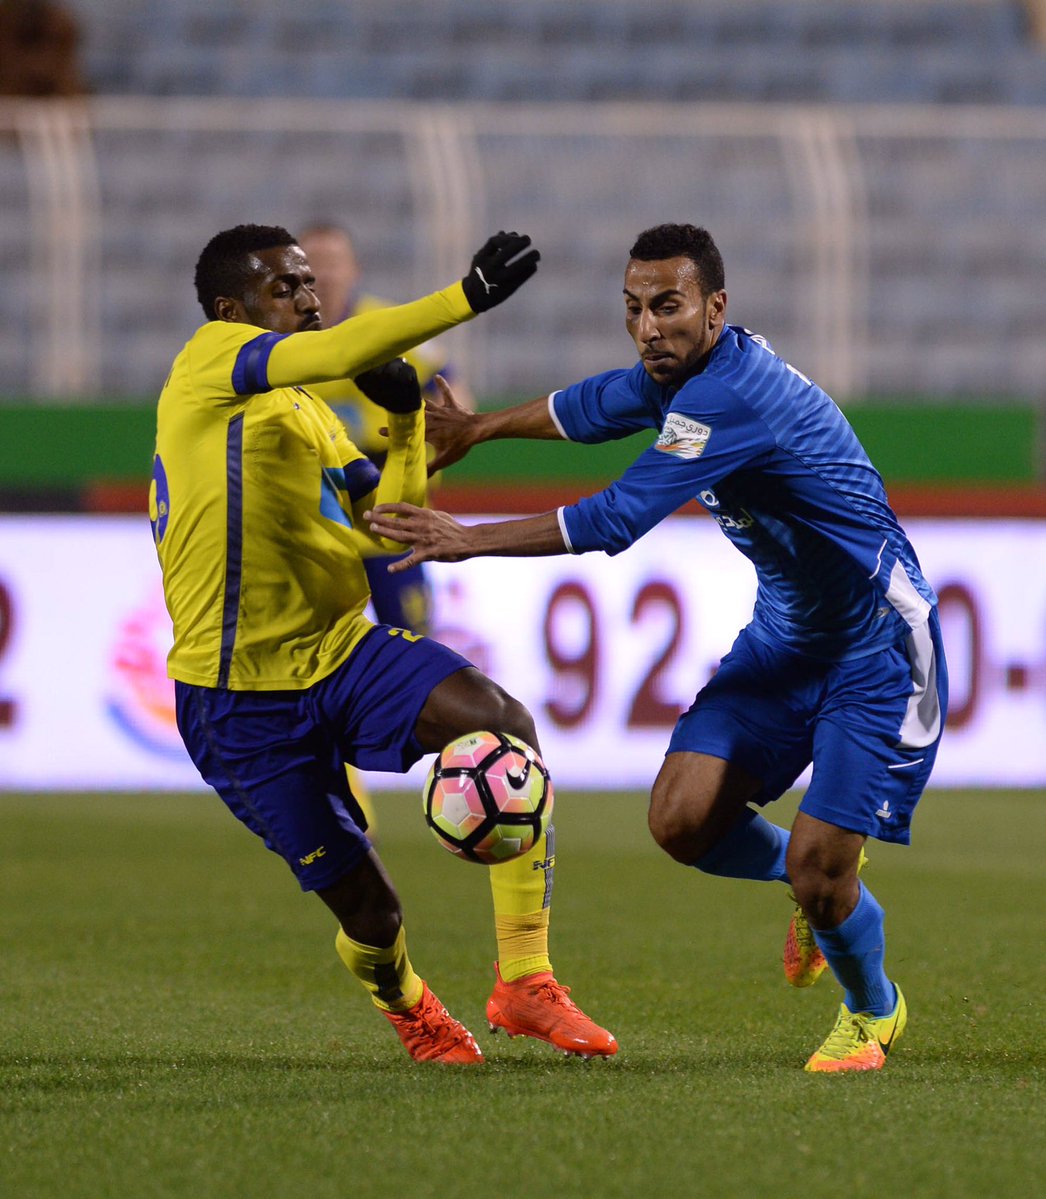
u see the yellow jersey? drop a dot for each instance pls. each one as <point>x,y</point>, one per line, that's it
<point>362,417</point>
<point>257,495</point>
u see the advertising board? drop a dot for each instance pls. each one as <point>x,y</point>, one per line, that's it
<point>605,652</point>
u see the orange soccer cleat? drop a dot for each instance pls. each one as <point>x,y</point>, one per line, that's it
<point>431,1034</point>
<point>803,961</point>
<point>538,1006</point>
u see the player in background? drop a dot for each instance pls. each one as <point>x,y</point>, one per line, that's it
<point>280,679</point>
<point>403,598</point>
<point>842,663</point>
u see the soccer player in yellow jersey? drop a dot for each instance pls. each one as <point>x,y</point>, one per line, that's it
<point>256,505</point>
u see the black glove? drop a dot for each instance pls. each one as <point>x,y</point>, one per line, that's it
<point>393,386</point>
<point>492,278</point>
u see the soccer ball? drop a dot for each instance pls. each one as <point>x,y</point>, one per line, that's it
<point>488,798</point>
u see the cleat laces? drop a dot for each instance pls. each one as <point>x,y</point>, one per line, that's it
<point>851,1030</point>
<point>429,1032</point>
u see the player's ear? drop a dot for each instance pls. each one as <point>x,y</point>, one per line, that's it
<point>716,307</point>
<point>227,308</point>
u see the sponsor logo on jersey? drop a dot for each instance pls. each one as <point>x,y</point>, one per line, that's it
<point>683,437</point>
<point>727,521</point>
<point>733,521</point>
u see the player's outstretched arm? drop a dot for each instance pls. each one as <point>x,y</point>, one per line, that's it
<point>498,269</point>
<point>436,536</point>
<point>452,430</point>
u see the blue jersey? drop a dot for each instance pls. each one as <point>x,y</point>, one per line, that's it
<point>777,465</point>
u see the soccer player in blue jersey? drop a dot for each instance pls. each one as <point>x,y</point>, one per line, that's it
<point>841,665</point>
<point>256,506</point>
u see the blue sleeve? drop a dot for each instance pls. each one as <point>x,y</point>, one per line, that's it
<point>604,407</point>
<point>708,434</point>
<point>361,477</point>
<point>250,372</point>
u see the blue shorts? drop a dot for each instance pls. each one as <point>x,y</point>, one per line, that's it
<point>277,758</point>
<point>870,726</point>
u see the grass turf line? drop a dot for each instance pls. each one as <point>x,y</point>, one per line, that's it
<point>174,1021</point>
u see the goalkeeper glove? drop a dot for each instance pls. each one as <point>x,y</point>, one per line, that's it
<point>492,278</point>
<point>393,386</point>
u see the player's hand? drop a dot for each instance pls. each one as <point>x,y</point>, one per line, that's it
<point>393,386</point>
<point>448,425</point>
<point>433,536</point>
<point>493,276</point>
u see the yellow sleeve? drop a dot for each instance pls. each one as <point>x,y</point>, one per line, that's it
<point>365,341</point>
<point>427,358</point>
<point>211,359</point>
<point>404,477</point>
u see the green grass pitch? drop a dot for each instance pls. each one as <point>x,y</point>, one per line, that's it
<point>174,1021</point>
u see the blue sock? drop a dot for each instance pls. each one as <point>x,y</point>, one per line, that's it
<point>855,953</point>
<point>753,848</point>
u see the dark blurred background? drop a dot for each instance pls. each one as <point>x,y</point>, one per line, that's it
<point>873,172</point>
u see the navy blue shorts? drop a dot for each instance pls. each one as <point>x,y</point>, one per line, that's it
<point>277,758</point>
<point>870,726</point>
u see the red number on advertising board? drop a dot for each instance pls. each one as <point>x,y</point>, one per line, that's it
<point>649,710</point>
<point>573,646</point>
<point>7,705</point>
<point>576,667</point>
<point>965,646</point>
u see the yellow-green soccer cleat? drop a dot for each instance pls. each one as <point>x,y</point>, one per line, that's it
<point>803,961</point>
<point>859,1041</point>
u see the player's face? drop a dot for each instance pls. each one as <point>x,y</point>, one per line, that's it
<point>333,258</point>
<point>672,323</point>
<point>281,297</point>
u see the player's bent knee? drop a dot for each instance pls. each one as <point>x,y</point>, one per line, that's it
<point>822,863</point>
<point>672,826</point>
<point>826,898</point>
<point>467,702</point>
<point>516,719</point>
<point>503,713</point>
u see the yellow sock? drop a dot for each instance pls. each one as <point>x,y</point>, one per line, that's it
<point>386,973</point>
<point>522,893</point>
<point>362,795</point>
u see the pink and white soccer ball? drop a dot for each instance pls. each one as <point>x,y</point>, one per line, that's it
<point>488,798</point>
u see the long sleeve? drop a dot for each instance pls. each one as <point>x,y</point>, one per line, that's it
<point>404,477</point>
<point>362,342</point>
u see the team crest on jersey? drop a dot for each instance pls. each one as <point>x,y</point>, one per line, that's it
<point>683,437</point>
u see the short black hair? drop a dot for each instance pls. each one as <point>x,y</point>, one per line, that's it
<point>683,241</point>
<point>222,269</point>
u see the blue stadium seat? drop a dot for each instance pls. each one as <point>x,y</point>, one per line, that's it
<point>807,50</point>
